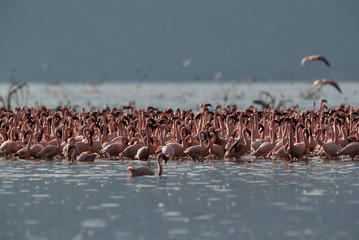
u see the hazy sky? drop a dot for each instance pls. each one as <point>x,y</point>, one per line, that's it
<point>82,40</point>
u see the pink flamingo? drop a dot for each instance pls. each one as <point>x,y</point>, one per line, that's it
<point>240,146</point>
<point>114,149</point>
<point>323,82</point>
<point>86,156</point>
<point>266,147</point>
<point>50,151</point>
<point>198,151</point>
<point>9,147</point>
<point>295,151</point>
<point>131,150</point>
<point>352,149</point>
<point>313,58</point>
<point>331,149</point>
<point>144,152</point>
<point>216,149</point>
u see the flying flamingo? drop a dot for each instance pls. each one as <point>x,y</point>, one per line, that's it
<point>142,171</point>
<point>322,82</point>
<point>313,58</point>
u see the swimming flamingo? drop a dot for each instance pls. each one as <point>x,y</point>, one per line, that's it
<point>313,58</point>
<point>142,171</point>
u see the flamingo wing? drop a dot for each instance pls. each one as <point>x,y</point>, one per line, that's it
<point>323,59</point>
<point>334,84</point>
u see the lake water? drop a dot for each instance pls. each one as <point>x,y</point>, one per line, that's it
<point>249,199</point>
<point>183,95</point>
<point>256,199</point>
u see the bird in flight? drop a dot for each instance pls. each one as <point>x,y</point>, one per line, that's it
<point>324,81</point>
<point>313,58</point>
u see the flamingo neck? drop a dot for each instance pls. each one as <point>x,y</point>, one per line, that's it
<point>319,140</point>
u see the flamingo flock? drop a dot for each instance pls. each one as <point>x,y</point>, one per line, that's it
<point>220,133</point>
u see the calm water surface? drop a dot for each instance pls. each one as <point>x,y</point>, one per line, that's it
<point>250,199</point>
<point>183,95</point>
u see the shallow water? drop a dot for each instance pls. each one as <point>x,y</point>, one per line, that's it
<point>250,199</point>
<point>183,95</point>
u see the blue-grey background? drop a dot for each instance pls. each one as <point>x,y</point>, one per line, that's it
<point>118,40</point>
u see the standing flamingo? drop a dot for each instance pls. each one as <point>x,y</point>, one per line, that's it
<point>50,151</point>
<point>144,152</point>
<point>352,149</point>
<point>266,147</point>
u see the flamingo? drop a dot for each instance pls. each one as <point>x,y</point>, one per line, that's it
<point>265,148</point>
<point>178,149</point>
<point>198,151</point>
<point>144,152</point>
<point>86,156</point>
<point>50,151</point>
<point>295,151</point>
<point>84,146</point>
<point>324,81</point>
<point>352,149</point>
<point>330,149</point>
<point>240,146</point>
<point>29,151</point>
<point>168,150</point>
<point>114,149</point>
<point>9,147</point>
<point>216,149</point>
<point>313,58</point>
<point>142,171</point>
<point>131,150</point>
